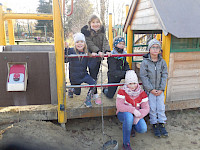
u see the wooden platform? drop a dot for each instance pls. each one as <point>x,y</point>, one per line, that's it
<point>76,108</point>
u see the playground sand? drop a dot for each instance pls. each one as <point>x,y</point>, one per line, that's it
<point>86,134</point>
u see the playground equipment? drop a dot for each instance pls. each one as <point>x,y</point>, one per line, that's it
<point>33,59</point>
<point>180,36</point>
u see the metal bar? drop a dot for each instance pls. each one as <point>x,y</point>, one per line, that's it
<point>97,85</point>
<point>113,55</point>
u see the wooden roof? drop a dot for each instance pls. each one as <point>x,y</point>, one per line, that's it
<point>178,17</point>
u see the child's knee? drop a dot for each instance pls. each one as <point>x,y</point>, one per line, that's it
<point>143,129</point>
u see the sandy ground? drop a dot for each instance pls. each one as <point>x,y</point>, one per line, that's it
<point>86,134</point>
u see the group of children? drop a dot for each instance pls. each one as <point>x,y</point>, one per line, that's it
<point>132,102</point>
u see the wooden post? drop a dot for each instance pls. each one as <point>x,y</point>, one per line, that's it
<point>60,68</point>
<point>10,29</point>
<point>110,31</point>
<point>129,45</point>
<point>127,8</point>
<point>2,27</point>
<point>166,43</point>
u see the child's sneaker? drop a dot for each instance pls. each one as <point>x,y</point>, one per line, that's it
<point>156,130</point>
<point>70,92</point>
<point>163,131</point>
<point>88,102</point>
<point>127,147</point>
<point>96,99</point>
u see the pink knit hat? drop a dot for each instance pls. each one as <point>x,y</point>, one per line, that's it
<point>131,77</point>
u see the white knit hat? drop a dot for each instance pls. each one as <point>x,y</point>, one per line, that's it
<point>79,37</point>
<point>131,77</point>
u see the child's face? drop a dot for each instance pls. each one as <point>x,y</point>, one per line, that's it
<point>132,86</point>
<point>121,45</point>
<point>80,45</point>
<point>95,24</point>
<point>155,49</point>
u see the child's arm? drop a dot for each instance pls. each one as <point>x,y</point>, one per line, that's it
<point>164,75</point>
<point>126,66</point>
<point>121,106</point>
<point>144,77</point>
<point>106,45</point>
<point>144,109</point>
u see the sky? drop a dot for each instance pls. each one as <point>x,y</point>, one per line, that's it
<point>30,6</point>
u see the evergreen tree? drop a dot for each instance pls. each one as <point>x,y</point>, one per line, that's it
<point>45,7</point>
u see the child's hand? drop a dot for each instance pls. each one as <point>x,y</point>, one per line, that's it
<point>159,92</point>
<point>136,120</point>
<point>66,45</point>
<point>154,92</point>
<point>136,113</point>
<point>94,54</point>
<point>109,54</point>
<point>101,54</point>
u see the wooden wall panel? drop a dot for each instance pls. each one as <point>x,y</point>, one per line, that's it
<point>184,76</point>
<point>144,17</point>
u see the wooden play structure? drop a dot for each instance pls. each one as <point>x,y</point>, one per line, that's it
<point>180,38</point>
<point>179,33</point>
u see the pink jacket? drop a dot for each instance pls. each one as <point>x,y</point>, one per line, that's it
<point>125,104</point>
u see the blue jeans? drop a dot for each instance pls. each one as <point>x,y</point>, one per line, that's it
<point>127,119</point>
<point>157,109</point>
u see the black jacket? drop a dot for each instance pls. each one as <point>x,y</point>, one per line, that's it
<point>117,67</point>
<point>78,66</point>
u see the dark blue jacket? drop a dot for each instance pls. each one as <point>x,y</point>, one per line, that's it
<point>78,66</point>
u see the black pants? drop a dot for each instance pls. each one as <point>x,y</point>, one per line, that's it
<point>112,89</point>
<point>87,79</point>
<point>94,72</point>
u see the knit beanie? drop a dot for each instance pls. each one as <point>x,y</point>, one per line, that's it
<point>117,40</point>
<point>152,42</point>
<point>79,37</point>
<point>131,77</point>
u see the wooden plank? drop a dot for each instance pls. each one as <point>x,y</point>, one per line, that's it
<point>183,56</point>
<point>171,65</point>
<point>143,5</point>
<point>183,81</point>
<point>183,88</point>
<point>178,105</point>
<point>146,27</point>
<point>193,64</point>
<point>29,112</point>
<point>146,20</point>
<point>144,13</point>
<point>186,72</point>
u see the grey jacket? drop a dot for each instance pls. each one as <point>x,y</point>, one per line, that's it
<point>153,75</point>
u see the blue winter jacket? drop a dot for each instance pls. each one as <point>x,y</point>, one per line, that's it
<point>78,66</point>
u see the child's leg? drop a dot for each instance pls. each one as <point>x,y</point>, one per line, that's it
<point>77,91</point>
<point>94,72</point>
<point>161,108</point>
<point>112,89</point>
<point>127,119</point>
<point>141,126</point>
<point>153,112</point>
